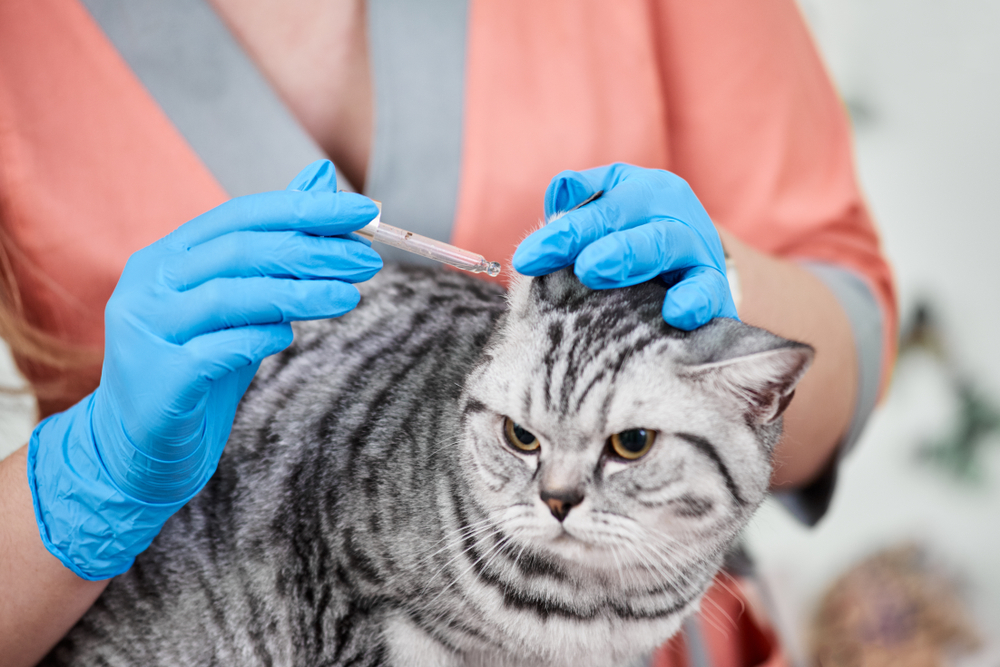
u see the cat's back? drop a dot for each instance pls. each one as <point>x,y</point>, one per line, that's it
<point>412,338</point>
<point>244,574</point>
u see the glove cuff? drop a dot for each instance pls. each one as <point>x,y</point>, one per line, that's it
<point>162,471</point>
<point>84,518</point>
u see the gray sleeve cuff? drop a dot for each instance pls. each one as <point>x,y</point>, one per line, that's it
<point>810,503</point>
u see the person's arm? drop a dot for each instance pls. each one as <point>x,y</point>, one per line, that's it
<point>758,131</point>
<point>784,297</point>
<point>198,310</point>
<point>42,598</point>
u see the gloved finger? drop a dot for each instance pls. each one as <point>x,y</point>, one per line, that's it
<point>319,213</point>
<point>239,302</point>
<point>702,294</point>
<point>215,354</point>
<point>567,190</point>
<point>274,254</point>
<point>636,255</point>
<point>320,175</point>
<point>570,188</point>
<point>557,244</point>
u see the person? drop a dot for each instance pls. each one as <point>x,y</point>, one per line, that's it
<point>729,95</point>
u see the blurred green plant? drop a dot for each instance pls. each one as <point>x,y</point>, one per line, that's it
<point>958,451</point>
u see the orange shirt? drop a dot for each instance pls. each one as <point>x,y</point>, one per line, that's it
<point>90,168</point>
<point>728,94</point>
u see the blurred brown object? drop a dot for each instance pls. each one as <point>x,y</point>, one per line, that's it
<point>891,610</point>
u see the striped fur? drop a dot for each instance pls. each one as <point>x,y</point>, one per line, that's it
<point>367,510</point>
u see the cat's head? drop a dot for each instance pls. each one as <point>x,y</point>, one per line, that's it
<point>597,435</point>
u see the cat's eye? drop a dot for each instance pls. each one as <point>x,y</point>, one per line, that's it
<point>633,443</point>
<point>518,437</point>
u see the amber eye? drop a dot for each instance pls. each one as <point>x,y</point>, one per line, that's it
<point>519,438</point>
<point>633,443</point>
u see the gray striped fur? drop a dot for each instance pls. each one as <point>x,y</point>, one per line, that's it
<point>367,510</point>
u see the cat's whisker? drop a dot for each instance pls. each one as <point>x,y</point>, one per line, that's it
<point>719,580</point>
<point>626,585</point>
<point>721,627</point>
<point>461,552</point>
<point>644,561</point>
<point>459,534</point>
<point>458,537</point>
<point>670,544</point>
<point>499,544</point>
<point>499,550</point>
<point>625,531</point>
<point>651,559</point>
<point>517,558</point>
<point>492,527</point>
<point>467,530</point>
<point>444,567</point>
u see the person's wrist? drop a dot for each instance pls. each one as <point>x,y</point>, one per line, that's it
<point>84,519</point>
<point>733,277</point>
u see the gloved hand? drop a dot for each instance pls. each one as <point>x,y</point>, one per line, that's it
<point>188,324</point>
<point>648,223</point>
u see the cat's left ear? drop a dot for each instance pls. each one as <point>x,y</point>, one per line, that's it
<point>765,381</point>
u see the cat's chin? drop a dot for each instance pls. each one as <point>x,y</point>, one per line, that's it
<point>613,566</point>
<point>583,552</point>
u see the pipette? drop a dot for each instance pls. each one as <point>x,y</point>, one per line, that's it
<point>376,230</point>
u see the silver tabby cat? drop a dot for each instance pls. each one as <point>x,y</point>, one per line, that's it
<point>446,477</point>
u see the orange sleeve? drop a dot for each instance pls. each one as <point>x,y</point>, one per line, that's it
<point>730,94</point>
<point>756,128</point>
<point>554,85</point>
<point>91,170</point>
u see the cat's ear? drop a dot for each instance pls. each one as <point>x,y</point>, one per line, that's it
<point>765,381</point>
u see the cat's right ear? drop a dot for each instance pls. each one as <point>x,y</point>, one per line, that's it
<point>765,381</point>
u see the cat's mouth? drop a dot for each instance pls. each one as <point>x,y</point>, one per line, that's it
<point>574,542</point>
<point>592,556</point>
<point>566,536</point>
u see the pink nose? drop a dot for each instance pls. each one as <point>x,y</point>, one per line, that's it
<point>562,501</point>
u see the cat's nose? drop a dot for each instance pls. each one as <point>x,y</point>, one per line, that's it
<point>560,502</point>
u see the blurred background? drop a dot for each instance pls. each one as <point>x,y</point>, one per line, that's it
<point>921,80</point>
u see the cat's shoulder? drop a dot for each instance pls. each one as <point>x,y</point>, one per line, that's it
<point>417,284</point>
<point>400,292</point>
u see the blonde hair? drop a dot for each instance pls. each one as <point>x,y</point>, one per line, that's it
<point>48,361</point>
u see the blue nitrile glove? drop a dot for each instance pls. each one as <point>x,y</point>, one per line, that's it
<point>191,319</point>
<point>648,223</point>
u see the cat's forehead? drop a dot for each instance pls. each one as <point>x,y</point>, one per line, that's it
<point>562,349</point>
<point>562,292</point>
<point>562,312</point>
<point>615,316</point>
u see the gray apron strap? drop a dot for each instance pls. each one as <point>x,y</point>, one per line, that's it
<point>697,650</point>
<point>210,90</point>
<point>213,94</point>
<point>418,72</point>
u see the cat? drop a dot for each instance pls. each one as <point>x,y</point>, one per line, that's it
<point>450,477</point>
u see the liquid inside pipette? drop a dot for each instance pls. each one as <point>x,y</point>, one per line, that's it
<point>376,230</point>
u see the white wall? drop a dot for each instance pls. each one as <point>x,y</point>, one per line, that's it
<point>923,79</point>
<point>17,410</point>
